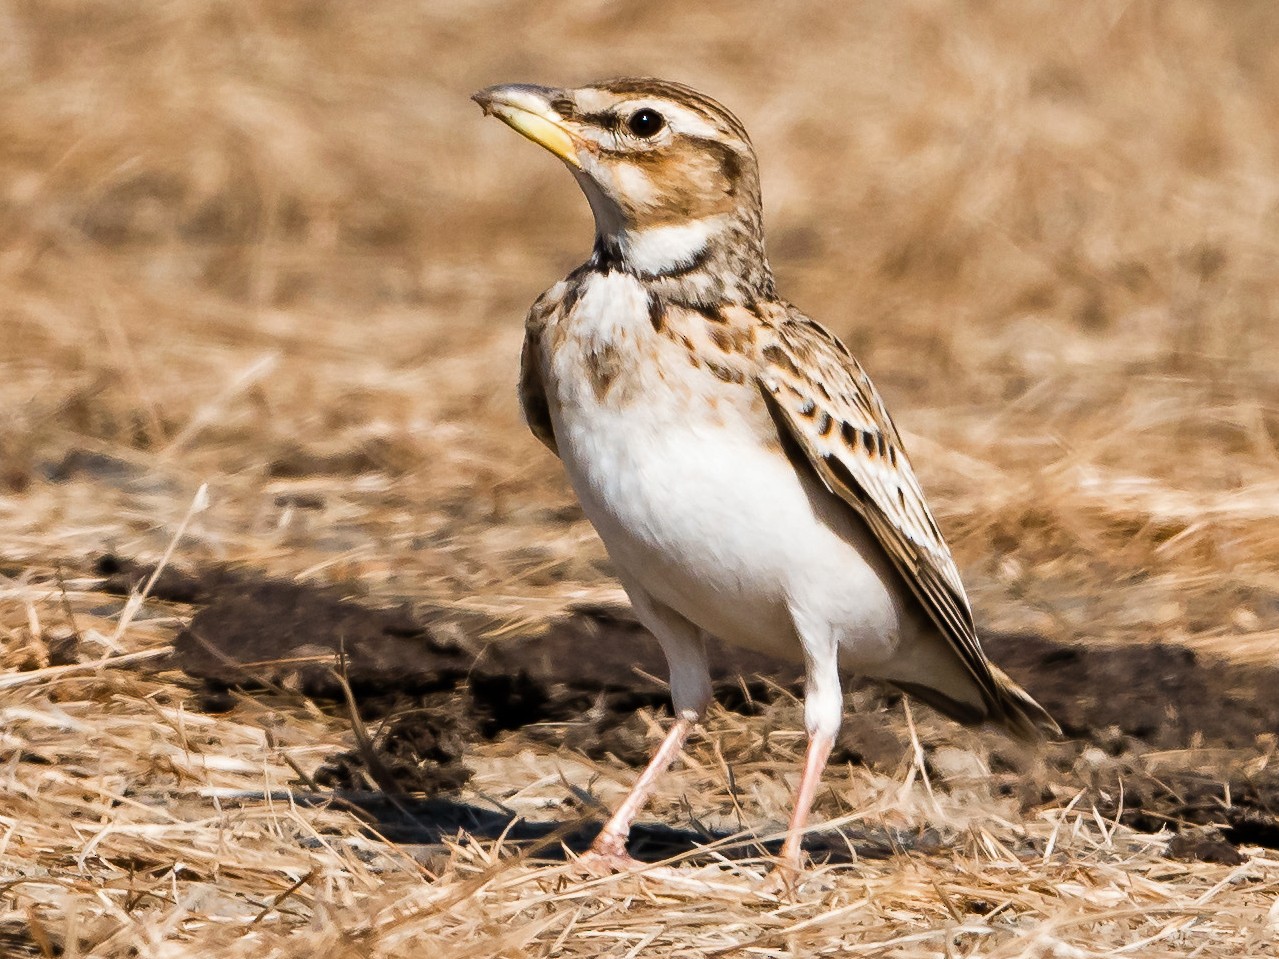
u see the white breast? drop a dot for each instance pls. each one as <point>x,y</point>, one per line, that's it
<point>671,468</point>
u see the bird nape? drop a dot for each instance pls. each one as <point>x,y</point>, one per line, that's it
<point>735,459</point>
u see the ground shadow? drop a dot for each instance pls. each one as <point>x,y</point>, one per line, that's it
<point>424,822</point>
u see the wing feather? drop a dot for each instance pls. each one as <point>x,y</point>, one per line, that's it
<point>821,395</point>
<point>537,411</point>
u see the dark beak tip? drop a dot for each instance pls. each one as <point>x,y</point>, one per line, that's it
<point>484,98</point>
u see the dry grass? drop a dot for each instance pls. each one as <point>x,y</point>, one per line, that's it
<point>273,248</point>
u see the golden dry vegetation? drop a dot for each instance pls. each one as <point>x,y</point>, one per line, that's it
<point>274,248</point>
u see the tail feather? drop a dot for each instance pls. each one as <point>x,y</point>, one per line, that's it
<point>1004,703</point>
<point>1018,712</point>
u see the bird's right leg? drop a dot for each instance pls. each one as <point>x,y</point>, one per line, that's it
<point>823,714</point>
<point>690,681</point>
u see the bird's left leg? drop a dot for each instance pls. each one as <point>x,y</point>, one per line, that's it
<point>690,680</point>
<point>823,714</point>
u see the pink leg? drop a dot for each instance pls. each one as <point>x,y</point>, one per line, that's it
<point>611,842</point>
<point>819,747</point>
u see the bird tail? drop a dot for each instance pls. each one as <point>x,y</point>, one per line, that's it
<point>1003,703</point>
<point>1016,711</point>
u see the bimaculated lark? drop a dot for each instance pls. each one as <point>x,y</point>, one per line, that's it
<point>734,457</point>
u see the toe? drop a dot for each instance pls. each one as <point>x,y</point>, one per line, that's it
<point>608,862</point>
<point>783,881</point>
<point>609,844</point>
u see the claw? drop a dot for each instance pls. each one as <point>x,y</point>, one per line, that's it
<point>605,862</point>
<point>783,882</point>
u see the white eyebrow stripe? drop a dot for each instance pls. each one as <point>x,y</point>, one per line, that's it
<point>681,119</point>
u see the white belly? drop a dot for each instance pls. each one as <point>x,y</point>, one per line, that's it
<point>709,521</point>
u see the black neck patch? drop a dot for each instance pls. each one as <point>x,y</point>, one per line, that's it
<point>607,257</point>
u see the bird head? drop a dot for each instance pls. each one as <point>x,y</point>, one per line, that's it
<point>669,173</point>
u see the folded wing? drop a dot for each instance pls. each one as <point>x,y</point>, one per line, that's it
<point>824,402</point>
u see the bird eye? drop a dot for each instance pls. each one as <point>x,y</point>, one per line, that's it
<point>645,123</point>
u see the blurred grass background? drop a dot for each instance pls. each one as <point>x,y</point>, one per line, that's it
<point>274,246</point>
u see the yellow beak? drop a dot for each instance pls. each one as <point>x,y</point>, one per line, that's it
<point>527,109</point>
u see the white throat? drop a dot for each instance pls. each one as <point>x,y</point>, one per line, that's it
<point>657,249</point>
<point>661,249</point>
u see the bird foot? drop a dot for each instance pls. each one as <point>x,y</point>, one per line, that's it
<point>703,880</point>
<point>783,881</point>
<point>608,856</point>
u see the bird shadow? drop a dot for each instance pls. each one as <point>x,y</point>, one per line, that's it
<point>423,822</point>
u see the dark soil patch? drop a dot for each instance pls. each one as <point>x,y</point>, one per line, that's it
<point>1132,701</point>
<point>20,939</point>
<point>417,751</point>
<point>1161,694</point>
<point>425,691</point>
<point>1204,847</point>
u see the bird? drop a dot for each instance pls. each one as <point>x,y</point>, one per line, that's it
<point>737,462</point>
